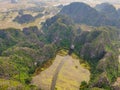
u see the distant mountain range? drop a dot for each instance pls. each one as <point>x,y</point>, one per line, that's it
<point>26,53</point>
<point>102,15</point>
<point>108,10</point>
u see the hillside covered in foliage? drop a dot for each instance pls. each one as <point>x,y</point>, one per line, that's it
<point>22,52</point>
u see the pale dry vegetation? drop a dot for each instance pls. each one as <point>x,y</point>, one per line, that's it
<point>69,78</point>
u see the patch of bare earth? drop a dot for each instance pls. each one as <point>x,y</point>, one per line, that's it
<point>70,75</point>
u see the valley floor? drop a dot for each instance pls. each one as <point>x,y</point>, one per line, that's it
<point>66,72</point>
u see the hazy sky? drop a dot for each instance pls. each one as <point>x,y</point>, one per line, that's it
<point>87,1</point>
<point>95,1</point>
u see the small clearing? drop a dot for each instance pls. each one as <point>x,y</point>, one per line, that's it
<point>69,75</point>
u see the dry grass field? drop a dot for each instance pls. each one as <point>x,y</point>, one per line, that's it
<point>5,5</point>
<point>7,15</point>
<point>69,77</point>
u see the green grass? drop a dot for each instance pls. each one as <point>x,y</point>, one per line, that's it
<point>10,84</point>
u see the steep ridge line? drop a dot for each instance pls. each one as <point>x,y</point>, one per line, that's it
<point>54,79</point>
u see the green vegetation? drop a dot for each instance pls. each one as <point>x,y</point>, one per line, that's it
<point>102,15</point>
<point>83,85</point>
<point>97,49</point>
<point>21,53</point>
<point>28,52</point>
<point>27,18</point>
<point>10,84</point>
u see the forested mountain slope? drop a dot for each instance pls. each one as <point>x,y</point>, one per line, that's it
<point>83,13</point>
<point>23,52</point>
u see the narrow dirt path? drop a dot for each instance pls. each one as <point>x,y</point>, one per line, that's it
<point>54,79</point>
<point>65,73</point>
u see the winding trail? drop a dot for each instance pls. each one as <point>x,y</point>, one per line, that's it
<point>54,79</point>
